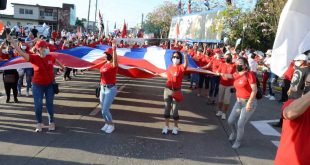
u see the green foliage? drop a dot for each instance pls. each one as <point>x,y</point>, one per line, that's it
<point>158,21</point>
<point>257,28</point>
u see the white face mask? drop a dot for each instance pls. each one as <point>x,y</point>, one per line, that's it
<point>47,51</point>
<point>23,47</point>
<point>52,42</point>
<point>298,63</point>
<point>4,51</point>
<point>175,61</point>
<point>57,42</point>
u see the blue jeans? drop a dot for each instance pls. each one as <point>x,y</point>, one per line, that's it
<point>194,79</point>
<point>29,74</point>
<point>106,98</point>
<point>38,92</point>
<point>214,86</point>
<point>271,80</point>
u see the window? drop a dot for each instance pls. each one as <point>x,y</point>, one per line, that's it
<point>28,11</point>
<point>41,13</point>
<point>21,11</point>
<point>48,12</point>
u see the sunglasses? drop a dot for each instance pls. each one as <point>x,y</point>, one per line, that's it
<point>177,57</point>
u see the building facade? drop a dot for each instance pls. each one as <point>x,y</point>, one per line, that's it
<point>57,18</point>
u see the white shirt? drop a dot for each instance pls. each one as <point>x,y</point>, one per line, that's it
<point>253,65</point>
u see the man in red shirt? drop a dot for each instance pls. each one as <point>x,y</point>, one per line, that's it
<point>135,45</point>
<point>54,34</point>
<point>294,147</point>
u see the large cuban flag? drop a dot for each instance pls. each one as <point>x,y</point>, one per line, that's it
<point>136,63</point>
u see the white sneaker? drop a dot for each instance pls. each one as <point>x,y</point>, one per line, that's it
<point>165,130</point>
<point>27,94</point>
<point>51,127</point>
<point>104,128</point>
<point>236,145</point>
<point>223,116</point>
<point>232,137</point>
<point>267,96</point>
<point>110,129</point>
<point>39,127</point>
<point>175,131</point>
<point>272,98</point>
<point>219,113</point>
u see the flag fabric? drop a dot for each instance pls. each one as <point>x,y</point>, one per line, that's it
<point>135,63</point>
<point>1,27</point>
<point>189,6</point>
<point>177,32</point>
<point>124,31</point>
<point>101,29</point>
<point>238,42</point>
<point>79,31</point>
<point>115,25</point>
<point>107,29</point>
<point>180,7</point>
<point>293,35</point>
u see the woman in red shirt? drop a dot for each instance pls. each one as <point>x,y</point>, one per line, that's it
<point>108,88</point>
<point>174,75</point>
<point>226,85</point>
<point>246,89</point>
<point>42,81</point>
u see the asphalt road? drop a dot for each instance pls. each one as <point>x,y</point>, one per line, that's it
<point>137,113</point>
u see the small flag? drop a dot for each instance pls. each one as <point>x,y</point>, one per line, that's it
<point>101,29</point>
<point>124,31</point>
<point>189,5</point>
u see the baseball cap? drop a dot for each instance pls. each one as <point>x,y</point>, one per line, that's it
<point>301,57</point>
<point>40,44</point>
<point>109,51</point>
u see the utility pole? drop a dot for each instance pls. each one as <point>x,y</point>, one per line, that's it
<point>142,21</point>
<point>95,16</point>
<point>88,16</point>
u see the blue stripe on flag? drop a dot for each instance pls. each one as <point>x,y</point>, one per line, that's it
<point>77,52</point>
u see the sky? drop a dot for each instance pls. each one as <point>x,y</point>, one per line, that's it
<point>112,10</point>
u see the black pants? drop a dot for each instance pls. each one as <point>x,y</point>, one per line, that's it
<point>67,73</point>
<point>8,87</point>
<point>203,80</point>
<point>285,88</point>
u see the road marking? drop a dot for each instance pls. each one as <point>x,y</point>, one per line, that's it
<point>98,107</point>
<point>265,128</point>
<point>275,142</point>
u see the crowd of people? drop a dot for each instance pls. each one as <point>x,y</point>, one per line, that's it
<point>230,73</point>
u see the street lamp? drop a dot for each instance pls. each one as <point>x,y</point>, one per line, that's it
<point>243,29</point>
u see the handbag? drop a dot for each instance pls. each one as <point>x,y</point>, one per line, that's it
<point>98,89</point>
<point>9,78</point>
<point>55,85</point>
<point>177,96</point>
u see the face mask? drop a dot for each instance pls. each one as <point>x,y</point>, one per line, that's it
<point>47,51</point>
<point>4,51</point>
<point>306,90</point>
<point>67,45</point>
<point>57,42</point>
<point>23,47</point>
<point>298,63</point>
<point>175,61</point>
<point>31,44</point>
<point>52,42</point>
<point>228,60</point>
<point>239,68</point>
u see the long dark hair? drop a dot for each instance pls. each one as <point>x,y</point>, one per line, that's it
<point>179,54</point>
<point>245,62</point>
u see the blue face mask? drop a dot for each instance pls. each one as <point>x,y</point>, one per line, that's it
<point>47,51</point>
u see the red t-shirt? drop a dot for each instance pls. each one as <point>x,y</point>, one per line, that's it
<point>242,84</point>
<point>294,147</point>
<point>135,46</point>
<point>175,76</point>
<point>43,69</point>
<point>52,48</point>
<point>289,72</point>
<point>216,64</point>
<point>54,34</point>
<point>108,73</point>
<point>227,68</point>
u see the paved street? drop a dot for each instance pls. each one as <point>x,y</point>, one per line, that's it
<point>137,112</point>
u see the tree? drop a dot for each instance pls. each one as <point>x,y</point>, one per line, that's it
<point>158,21</point>
<point>79,22</point>
<point>257,28</point>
